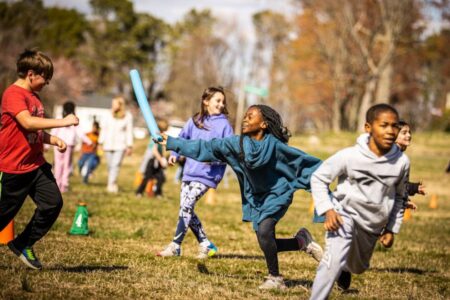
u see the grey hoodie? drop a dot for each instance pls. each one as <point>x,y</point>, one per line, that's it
<point>370,188</point>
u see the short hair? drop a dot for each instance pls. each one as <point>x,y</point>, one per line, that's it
<point>162,124</point>
<point>68,108</point>
<point>373,112</point>
<point>402,123</point>
<point>36,61</point>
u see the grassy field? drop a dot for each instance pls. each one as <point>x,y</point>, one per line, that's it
<point>117,260</point>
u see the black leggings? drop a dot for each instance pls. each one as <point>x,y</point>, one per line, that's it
<point>271,245</point>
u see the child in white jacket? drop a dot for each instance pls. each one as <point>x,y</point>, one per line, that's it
<point>367,204</point>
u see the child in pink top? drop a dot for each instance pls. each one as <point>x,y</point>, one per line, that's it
<point>63,161</point>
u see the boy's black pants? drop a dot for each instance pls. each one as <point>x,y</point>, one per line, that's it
<point>41,186</point>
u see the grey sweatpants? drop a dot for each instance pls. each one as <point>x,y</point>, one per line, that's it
<point>348,249</point>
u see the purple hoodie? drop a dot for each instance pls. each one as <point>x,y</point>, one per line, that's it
<point>210,174</point>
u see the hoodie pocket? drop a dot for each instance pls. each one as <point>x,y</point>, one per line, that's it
<point>370,215</point>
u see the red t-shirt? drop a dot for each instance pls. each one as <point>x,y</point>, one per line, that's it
<point>21,151</point>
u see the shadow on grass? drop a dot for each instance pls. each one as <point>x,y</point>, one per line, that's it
<point>238,256</point>
<point>201,267</point>
<point>74,269</point>
<point>402,270</point>
<point>350,292</point>
<point>305,284</point>
<point>87,269</point>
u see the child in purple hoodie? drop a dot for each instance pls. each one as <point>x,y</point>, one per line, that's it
<point>211,122</point>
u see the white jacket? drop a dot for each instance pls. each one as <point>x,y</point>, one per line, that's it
<point>370,188</point>
<point>116,134</point>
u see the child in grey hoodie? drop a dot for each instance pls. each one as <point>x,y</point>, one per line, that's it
<point>367,204</point>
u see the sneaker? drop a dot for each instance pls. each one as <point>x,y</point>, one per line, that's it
<point>344,280</point>
<point>112,188</point>
<point>208,251</point>
<point>27,256</point>
<point>272,283</point>
<point>307,244</point>
<point>172,249</point>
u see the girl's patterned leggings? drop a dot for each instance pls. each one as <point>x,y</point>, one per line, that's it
<point>191,192</point>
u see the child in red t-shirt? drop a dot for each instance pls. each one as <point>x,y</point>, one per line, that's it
<point>23,169</point>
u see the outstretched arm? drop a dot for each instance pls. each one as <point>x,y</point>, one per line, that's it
<point>31,123</point>
<point>200,150</point>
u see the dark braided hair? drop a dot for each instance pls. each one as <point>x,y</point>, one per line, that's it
<point>274,126</point>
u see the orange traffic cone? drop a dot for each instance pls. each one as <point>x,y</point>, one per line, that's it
<point>311,208</point>
<point>7,234</point>
<point>433,201</point>
<point>407,215</point>
<point>211,196</point>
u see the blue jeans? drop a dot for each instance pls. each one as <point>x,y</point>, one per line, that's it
<point>90,161</point>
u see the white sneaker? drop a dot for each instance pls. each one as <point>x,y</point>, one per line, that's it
<point>172,249</point>
<point>305,238</point>
<point>315,251</point>
<point>112,188</point>
<point>273,282</point>
<point>206,251</point>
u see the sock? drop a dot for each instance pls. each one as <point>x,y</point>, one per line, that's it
<point>178,246</point>
<point>301,242</point>
<point>205,243</point>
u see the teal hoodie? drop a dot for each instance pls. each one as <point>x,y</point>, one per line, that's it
<point>270,174</point>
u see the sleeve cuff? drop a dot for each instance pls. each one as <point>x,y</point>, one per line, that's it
<point>323,207</point>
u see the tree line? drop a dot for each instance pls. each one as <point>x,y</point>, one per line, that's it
<point>323,66</point>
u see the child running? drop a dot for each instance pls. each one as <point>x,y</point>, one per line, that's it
<point>211,122</point>
<point>269,172</point>
<point>23,169</point>
<point>155,164</point>
<point>89,159</point>
<point>367,204</point>
<point>403,141</point>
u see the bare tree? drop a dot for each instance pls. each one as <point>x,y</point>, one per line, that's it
<point>376,27</point>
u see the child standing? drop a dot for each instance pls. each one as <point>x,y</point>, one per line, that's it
<point>63,161</point>
<point>156,163</point>
<point>89,159</point>
<point>116,139</point>
<point>23,169</point>
<point>269,172</point>
<point>367,204</point>
<point>211,122</point>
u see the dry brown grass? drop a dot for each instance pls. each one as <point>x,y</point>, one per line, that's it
<point>117,260</point>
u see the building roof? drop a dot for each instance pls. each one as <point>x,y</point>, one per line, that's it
<point>95,100</point>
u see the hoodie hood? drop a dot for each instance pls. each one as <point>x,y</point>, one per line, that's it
<point>258,153</point>
<point>209,121</point>
<point>362,144</point>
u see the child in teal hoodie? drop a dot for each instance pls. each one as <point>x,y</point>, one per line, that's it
<point>269,172</point>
